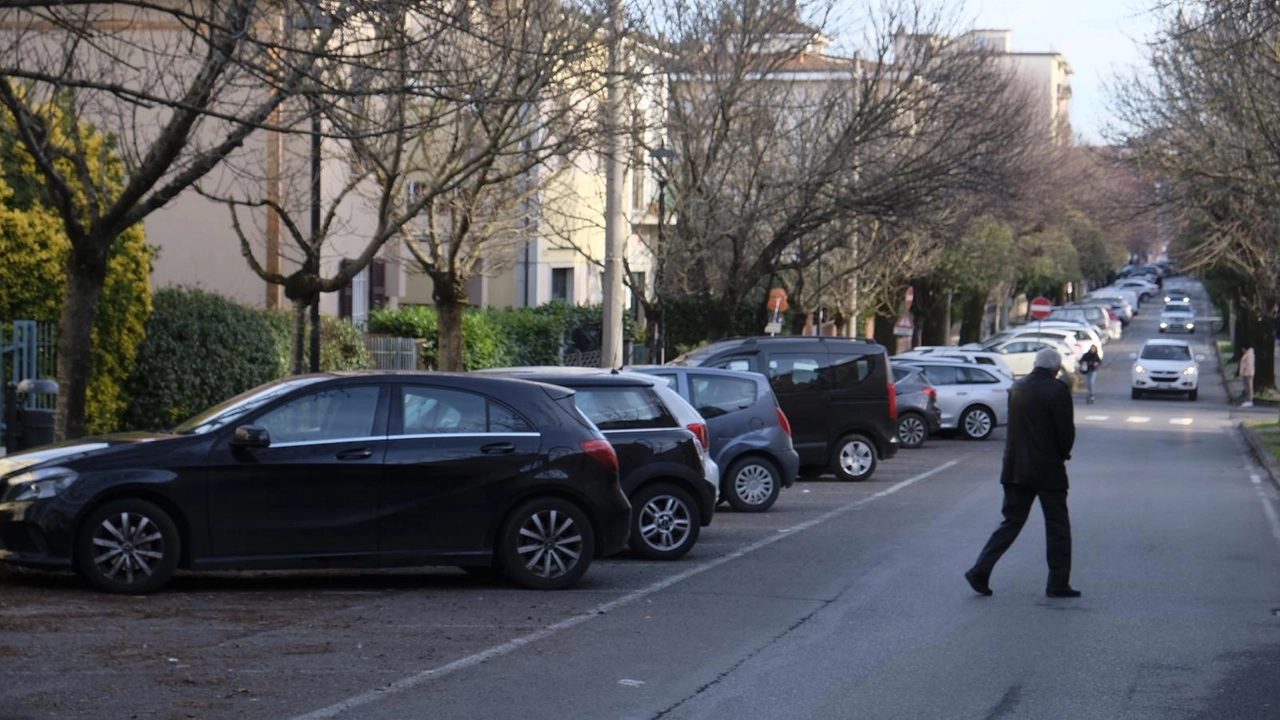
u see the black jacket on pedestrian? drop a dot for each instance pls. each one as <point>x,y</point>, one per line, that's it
<point>1089,361</point>
<point>1041,432</point>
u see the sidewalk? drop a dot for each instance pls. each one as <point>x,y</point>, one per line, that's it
<point>1265,397</point>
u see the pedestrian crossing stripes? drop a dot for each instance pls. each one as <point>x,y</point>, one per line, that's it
<point>1180,421</point>
<point>1137,419</point>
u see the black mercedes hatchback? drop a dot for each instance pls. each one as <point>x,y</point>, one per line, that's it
<point>329,471</point>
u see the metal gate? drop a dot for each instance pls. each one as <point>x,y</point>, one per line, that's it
<point>28,351</point>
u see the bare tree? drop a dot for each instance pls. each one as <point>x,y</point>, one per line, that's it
<point>179,87</point>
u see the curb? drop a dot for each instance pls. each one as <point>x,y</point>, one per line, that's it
<point>1260,454</point>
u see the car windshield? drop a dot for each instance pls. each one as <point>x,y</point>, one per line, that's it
<point>1177,308</point>
<point>1166,352</point>
<point>231,411</point>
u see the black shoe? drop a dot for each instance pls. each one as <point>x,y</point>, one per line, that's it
<point>1064,592</point>
<point>977,582</point>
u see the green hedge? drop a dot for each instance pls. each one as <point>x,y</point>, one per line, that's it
<point>200,350</point>
<point>341,343</point>
<point>497,337</point>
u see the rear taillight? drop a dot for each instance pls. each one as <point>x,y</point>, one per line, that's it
<point>893,402</point>
<point>602,452</point>
<point>703,435</point>
<point>931,393</point>
<point>784,422</point>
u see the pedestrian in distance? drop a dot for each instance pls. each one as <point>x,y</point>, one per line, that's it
<point>1089,364</point>
<point>1041,433</point>
<point>1246,371</point>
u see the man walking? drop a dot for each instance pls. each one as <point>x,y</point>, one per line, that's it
<point>1041,433</point>
<point>1246,371</point>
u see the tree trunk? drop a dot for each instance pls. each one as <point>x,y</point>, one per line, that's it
<point>451,300</point>
<point>974,308</point>
<point>86,275</point>
<point>884,332</point>
<point>297,358</point>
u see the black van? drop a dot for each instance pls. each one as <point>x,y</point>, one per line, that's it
<point>837,393</point>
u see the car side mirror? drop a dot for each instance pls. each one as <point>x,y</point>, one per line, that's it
<point>1199,358</point>
<point>251,436</point>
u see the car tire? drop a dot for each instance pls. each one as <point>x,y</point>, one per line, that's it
<point>854,458</point>
<point>1135,394</point>
<point>752,484</point>
<point>665,522</point>
<point>977,423</point>
<point>127,547</point>
<point>913,430</point>
<point>1193,395</point>
<point>546,544</point>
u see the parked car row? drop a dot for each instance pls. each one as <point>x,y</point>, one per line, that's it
<point>526,472</point>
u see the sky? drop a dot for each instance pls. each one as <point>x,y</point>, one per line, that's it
<point>1097,37</point>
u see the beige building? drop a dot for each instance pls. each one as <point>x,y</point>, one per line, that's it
<point>1045,76</point>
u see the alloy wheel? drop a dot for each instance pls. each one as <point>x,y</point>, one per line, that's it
<point>977,424</point>
<point>551,543</point>
<point>665,522</point>
<point>128,547</point>
<point>753,484</point>
<point>911,431</point>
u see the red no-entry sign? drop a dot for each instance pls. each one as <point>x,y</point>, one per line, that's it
<point>1040,308</point>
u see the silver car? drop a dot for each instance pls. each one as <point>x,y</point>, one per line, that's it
<point>972,399</point>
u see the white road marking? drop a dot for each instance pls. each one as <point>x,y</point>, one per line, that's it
<point>630,683</point>
<point>1267,507</point>
<point>1097,417</point>
<point>412,681</point>
<point>1137,419</point>
<point>1180,421</point>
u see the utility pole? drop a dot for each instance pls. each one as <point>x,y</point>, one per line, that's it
<point>614,222</point>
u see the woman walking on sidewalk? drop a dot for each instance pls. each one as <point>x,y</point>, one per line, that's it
<point>1246,372</point>
<point>1089,364</point>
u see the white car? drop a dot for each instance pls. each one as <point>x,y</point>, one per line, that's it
<point>1076,338</point>
<point>1177,317</point>
<point>1085,333</point>
<point>1130,294</point>
<point>1020,353</point>
<point>978,357</point>
<point>972,399</point>
<point>1146,290</point>
<point>1166,366</point>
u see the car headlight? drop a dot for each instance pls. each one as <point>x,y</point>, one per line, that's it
<point>1164,325</point>
<point>1191,326</point>
<point>1189,370</point>
<point>1139,369</point>
<point>38,484</point>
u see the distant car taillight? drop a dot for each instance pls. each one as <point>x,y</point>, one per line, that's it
<point>893,402</point>
<point>704,436</point>
<point>602,452</point>
<point>784,422</point>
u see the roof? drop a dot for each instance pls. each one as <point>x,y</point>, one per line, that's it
<point>1166,341</point>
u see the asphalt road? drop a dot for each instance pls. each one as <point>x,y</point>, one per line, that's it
<point>844,601</point>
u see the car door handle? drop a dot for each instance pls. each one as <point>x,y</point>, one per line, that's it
<point>500,448</point>
<point>962,394</point>
<point>356,454</point>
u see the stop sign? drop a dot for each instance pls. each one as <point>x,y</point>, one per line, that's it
<point>1040,308</point>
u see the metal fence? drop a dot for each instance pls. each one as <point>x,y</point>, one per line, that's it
<point>394,353</point>
<point>28,351</point>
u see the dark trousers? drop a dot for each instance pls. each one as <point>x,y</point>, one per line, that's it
<point>1057,531</point>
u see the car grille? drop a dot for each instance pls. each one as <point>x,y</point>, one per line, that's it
<point>1165,377</point>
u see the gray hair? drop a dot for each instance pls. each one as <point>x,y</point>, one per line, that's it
<point>1049,359</point>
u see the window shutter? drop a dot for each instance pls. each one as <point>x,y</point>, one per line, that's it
<point>377,284</point>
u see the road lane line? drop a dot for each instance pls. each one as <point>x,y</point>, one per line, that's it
<point>1180,421</point>
<point>1267,507</point>
<point>412,681</point>
<point>1137,419</point>
<point>1097,417</point>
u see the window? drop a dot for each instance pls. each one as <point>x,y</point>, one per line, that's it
<point>1166,352</point>
<point>623,408</point>
<point>975,376</point>
<point>850,371</point>
<point>673,381</point>
<point>985,360</point>
<point>431,411</point>
<point>739,364</point>
<point>714,396</point>
<point>562,284</point>
<point>942,375</point>
<point>335,414</point>
<point>794,372</point>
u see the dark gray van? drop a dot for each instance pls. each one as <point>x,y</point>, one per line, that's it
<point>837,393</point>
